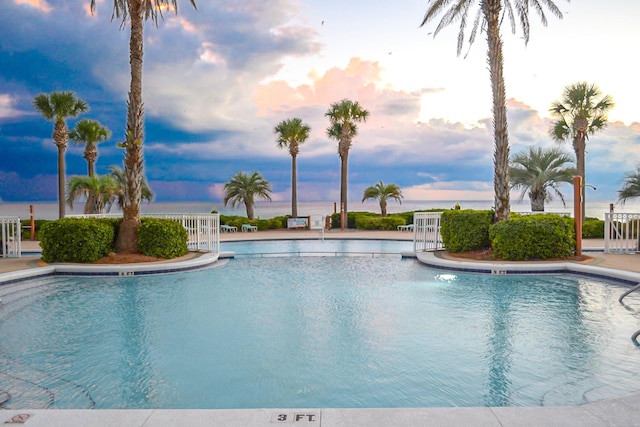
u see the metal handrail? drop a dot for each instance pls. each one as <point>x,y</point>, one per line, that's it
<point>635,288</point>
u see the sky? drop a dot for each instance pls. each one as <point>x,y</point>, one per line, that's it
<point>217,80</point>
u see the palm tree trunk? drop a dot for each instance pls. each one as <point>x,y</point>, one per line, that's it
<point>250,205</point>
<point>294,190</point>
<point>344,173</point>
<point>491,9</point>
<point>383,207</point>
<point>579,146</point>
<point>60,139</point>
<point>127,241</point>
<point>537,204</point>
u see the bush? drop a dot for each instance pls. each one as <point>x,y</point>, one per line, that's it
<point>76,240</point>
<point>533,237</point>
<point>466,230</point>
<point>593,228</point>
<point>164,238</point>
<point>390,222</point>
<point>352,218</point>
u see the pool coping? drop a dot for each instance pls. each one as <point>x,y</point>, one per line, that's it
<point>620,411</point>
<point>432,259</point>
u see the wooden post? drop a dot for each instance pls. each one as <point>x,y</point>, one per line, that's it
<point>577,212</point>
<point>33,223</point>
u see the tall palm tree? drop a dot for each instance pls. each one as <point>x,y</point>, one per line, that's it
<point>383,192</point>
<point>57,107</point>
<point>539,173</point>
<point>119,176</point>
<point>89,133</point>
<point>291,134</point>
<point>631,186</point>
<point>98,191</point>
<point>581,112</point>
<point>244,188</point>
<point>343,116</point>
<point>136,12</point>
<point>489,16</point>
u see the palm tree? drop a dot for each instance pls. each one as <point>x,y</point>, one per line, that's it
<point>383,192</point>
<point>136,12</point>
<point>98,191</point>
<point>539,173</point>
<point>90,133</point>
<point>243,188</point>
<point>488,17</point>
<point>343,116</point>
<point>581,112</point>
<point>57,107</point>
<point>118,175</point>
<point>631,186</point>
<point>291,133</point>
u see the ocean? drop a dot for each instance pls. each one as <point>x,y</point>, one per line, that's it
<point>49,210</point>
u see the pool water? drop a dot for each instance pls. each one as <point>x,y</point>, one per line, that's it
<point>316,332</point>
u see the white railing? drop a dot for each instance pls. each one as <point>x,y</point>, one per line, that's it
<point>203,230</point>
<point>569,214</point>
<point>10,237</point>
<point>621,232</point>
<point>426,231</point>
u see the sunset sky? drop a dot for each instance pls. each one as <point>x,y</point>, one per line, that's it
<point>218,80</point>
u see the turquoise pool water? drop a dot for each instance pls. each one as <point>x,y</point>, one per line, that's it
<point>316,332</point>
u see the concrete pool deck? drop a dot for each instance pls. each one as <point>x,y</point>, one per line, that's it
<point>622,411</point>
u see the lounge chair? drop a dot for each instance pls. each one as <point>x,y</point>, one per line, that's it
<point>228,228</point>
<point>249,227</point>
<point>408,227</point>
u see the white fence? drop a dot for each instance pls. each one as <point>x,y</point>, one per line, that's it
<point>426,231</point>
<point>10,236</point>
<point>203,230</point>
<point>621,231</point>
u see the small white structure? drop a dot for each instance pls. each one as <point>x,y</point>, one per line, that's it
<point>316,222</point>
<point>621,231</point>
<point>10,236</point>
<point>426,231</point>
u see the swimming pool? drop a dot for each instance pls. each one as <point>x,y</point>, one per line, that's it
<point>316,332</point>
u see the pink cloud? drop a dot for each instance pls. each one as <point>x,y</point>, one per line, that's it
<point>40,5</point>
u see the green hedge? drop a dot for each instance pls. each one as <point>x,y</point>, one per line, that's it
<point>390,222</point>
<point>164,238</point>
<point>533,237</point>
<point>262,224</point>
<point>466,230</point>
<point>76,240</point>
<point>26,232</point>
<point>593,228</point>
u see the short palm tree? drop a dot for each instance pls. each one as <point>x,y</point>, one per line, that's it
<point>57,107</point>
<point>291,134</point>
<point>244,188</point>
<point>383,192</point>
<point>631,186</point>
<point>118,175</point>
<point>98,192</point>
<point>489,15</point>
<point>89,133</point>
<point>581,112</point>
<point>539,174</point>
<point>136,12</point>
<point>344,116</point>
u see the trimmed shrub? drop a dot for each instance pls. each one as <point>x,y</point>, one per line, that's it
<point>593,228</point>
<point>352,218</point>
<point>533,237</point>
<point>164,238</point>
<point>75,240</point>
<point>466,230</point>
<point>390,222</point>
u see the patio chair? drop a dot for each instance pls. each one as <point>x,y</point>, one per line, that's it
<point>249,227</point>
<point>228,228</point>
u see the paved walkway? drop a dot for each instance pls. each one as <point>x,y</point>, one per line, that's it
<point>624,411</point>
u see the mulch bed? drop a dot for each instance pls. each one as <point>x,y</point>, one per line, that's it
<point>114,258</point>
<point>487,255</point>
